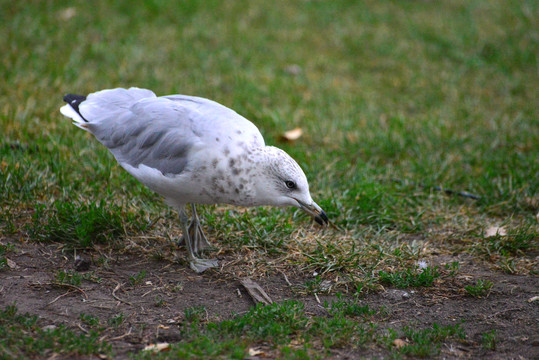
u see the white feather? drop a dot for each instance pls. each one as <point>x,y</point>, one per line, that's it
<point>68,111</point>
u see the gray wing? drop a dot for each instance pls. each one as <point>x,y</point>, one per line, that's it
<point>159,132</point>
<point>213,120</point>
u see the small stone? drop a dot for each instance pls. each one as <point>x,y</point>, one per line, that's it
<point>293,69</point>
<point>495,230</point>
<point>397,295</point>
<point>81,264</point>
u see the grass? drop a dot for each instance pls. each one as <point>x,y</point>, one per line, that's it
<point>290,332</point>
<point>89,320</point>
<point>138,278</point>
<point>505,251</point>
<point>481,288</point>
<point>489,340</point>
<point>281,327</point>
<point>394,98</point>
<point>423,343</point>
<point>75,278</point>
<point>25,337</point>
<point>516,242</point>
<point>116,321</point>
<point>410,277</point>
<point>82,225</point>
<point>4,249</point>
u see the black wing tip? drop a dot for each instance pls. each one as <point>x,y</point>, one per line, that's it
<point>74,101</point>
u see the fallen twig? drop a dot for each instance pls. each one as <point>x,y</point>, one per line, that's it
<point>69,286</point>
<point>286,279</point>
<point>256,292</point>
<point>121,336</point>
<point>503,311</point>
<point>59,297</point>
<point>116,297</point>
<point>83,329</point>
<point>439,188</point>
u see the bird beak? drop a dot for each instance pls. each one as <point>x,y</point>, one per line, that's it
<point>315,211</point>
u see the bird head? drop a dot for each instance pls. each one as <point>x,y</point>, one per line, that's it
<point>285,184</point>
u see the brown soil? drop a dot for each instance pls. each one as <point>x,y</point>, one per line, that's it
<point>152,308</point>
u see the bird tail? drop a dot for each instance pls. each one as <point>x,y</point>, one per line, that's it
<point>101,106</point>
<point>72,109</point>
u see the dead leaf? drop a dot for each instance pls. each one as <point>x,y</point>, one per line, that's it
<point>292,135</point>
<point>67,13</point>
<point>495,230</point>
<point>11,264</point>
<point>399,343</point>
<point>255,352</point>
<point>532,299</point>
<point>295,343</point>
<point>156,348</point>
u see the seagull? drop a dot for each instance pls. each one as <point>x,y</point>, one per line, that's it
<point>192,150</point>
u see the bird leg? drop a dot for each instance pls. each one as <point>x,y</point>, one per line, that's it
<point>193,240</point>
<point>199,241</point>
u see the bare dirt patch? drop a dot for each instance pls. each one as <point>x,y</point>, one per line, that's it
<point>137,308</point>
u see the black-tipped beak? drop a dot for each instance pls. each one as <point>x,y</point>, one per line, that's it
<point>315,211</point>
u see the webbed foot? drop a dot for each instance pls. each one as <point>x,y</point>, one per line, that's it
<point>200,265</point>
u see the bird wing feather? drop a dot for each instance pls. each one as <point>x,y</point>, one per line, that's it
<point>160,132</point>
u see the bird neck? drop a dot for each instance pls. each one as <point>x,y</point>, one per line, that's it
<point>263,186</point>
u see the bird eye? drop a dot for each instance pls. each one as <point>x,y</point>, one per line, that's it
<point>290,184</point>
